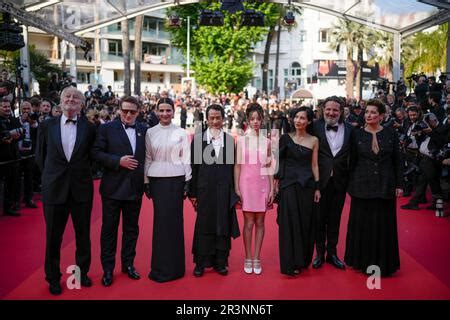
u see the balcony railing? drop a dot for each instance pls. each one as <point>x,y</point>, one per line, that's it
<point>149,34</point>
<point>174,59</point>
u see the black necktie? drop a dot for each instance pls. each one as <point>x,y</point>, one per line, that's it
<point>71,120</point>
<point>132,126</point>
<point>334,128</point>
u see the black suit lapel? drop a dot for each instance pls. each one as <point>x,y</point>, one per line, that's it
<point>122,135</point>
<point>56,132</point>
<point>81,131</point>
<point>323,137</point>
<point>140,138</point>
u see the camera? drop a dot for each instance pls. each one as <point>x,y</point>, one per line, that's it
<point>419,127</point>
<point>7,134</point>
<point>442,154</point>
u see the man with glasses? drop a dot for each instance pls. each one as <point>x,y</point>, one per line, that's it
<point>120,148</point>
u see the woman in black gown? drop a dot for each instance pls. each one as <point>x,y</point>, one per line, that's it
<point>374,184</point>
<point>297,181</point>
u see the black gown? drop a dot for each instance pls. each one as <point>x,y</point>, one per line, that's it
<point>372,227</point>
<point>296,207</point>
<point>168,259</point>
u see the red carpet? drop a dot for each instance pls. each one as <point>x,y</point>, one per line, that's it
<point>424,272</point>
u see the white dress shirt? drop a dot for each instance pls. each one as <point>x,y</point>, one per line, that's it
<point>335,138</point>
<point>167,152</point>
<point>217,143</point>
<point>68,136</point>
<point>131,133</point>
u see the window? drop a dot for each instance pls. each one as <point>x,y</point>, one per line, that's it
<point>115,47</point>
<point>149,24</point>
<point>296,69</point>
<point>83,77</point>
<point>303,36</point>
<point>296,73</point>
<point>324,35</point>
<point>286,72</point>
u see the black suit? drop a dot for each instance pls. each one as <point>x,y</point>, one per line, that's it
<point>121,190</point>
<point>334,175</point>
<point>212,184</point>
<point>67,189</point>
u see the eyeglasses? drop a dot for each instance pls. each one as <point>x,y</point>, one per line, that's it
<point>132,112</point>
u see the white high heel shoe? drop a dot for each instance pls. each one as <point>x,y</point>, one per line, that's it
<point>248,266</point>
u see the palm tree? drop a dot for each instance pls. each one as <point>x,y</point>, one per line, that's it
<point>126,53</point>
<point>365,39</point>
<point>385,55</point>
<point>344,34</point>
<point>126,58</point>
<point>426,51</point>
<point>138,53</point>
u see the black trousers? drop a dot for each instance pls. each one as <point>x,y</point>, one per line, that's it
<point>329,219</point>
<point>56,217</point>
<point>26,168</point>
<point>9,173</point>
<point>110,225</point>
<point>430,170</point>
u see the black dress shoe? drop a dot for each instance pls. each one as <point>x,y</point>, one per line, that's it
<point>31,204</point>
<point>107,279</point>
<point>86,281</point>
<point>55,288</point>
<point>132,273</point>
<point>221,270</point>
<point>11,213</point>
<point>199,271</point>
<point>410,206</point>
<point>334,260</point>
<point>318,262</point>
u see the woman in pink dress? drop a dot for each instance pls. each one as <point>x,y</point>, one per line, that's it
<point>253,184</point>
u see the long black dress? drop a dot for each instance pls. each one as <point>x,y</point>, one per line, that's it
<point>372,227</point>
<point>296,207</point>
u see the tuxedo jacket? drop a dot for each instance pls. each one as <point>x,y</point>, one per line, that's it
<point>61,178</point>
<point>339,164</point>
<point>111,144</point>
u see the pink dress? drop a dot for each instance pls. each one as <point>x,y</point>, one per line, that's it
<point>254,182</point>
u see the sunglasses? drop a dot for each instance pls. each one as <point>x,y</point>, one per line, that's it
<point>132,112</point>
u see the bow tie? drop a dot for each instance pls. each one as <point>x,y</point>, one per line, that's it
<point>71,120</point>
<point>334,128</point>
<point>132,126</point>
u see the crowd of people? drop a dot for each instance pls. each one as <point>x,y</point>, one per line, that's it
<point>251,151</point>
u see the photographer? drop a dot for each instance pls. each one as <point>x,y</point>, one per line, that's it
<point>434,101</point>
<point>429,166</point>
<point>421,88</point>
<point>10,133</point>
<point>410,144</point>
<point>26,147</point>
